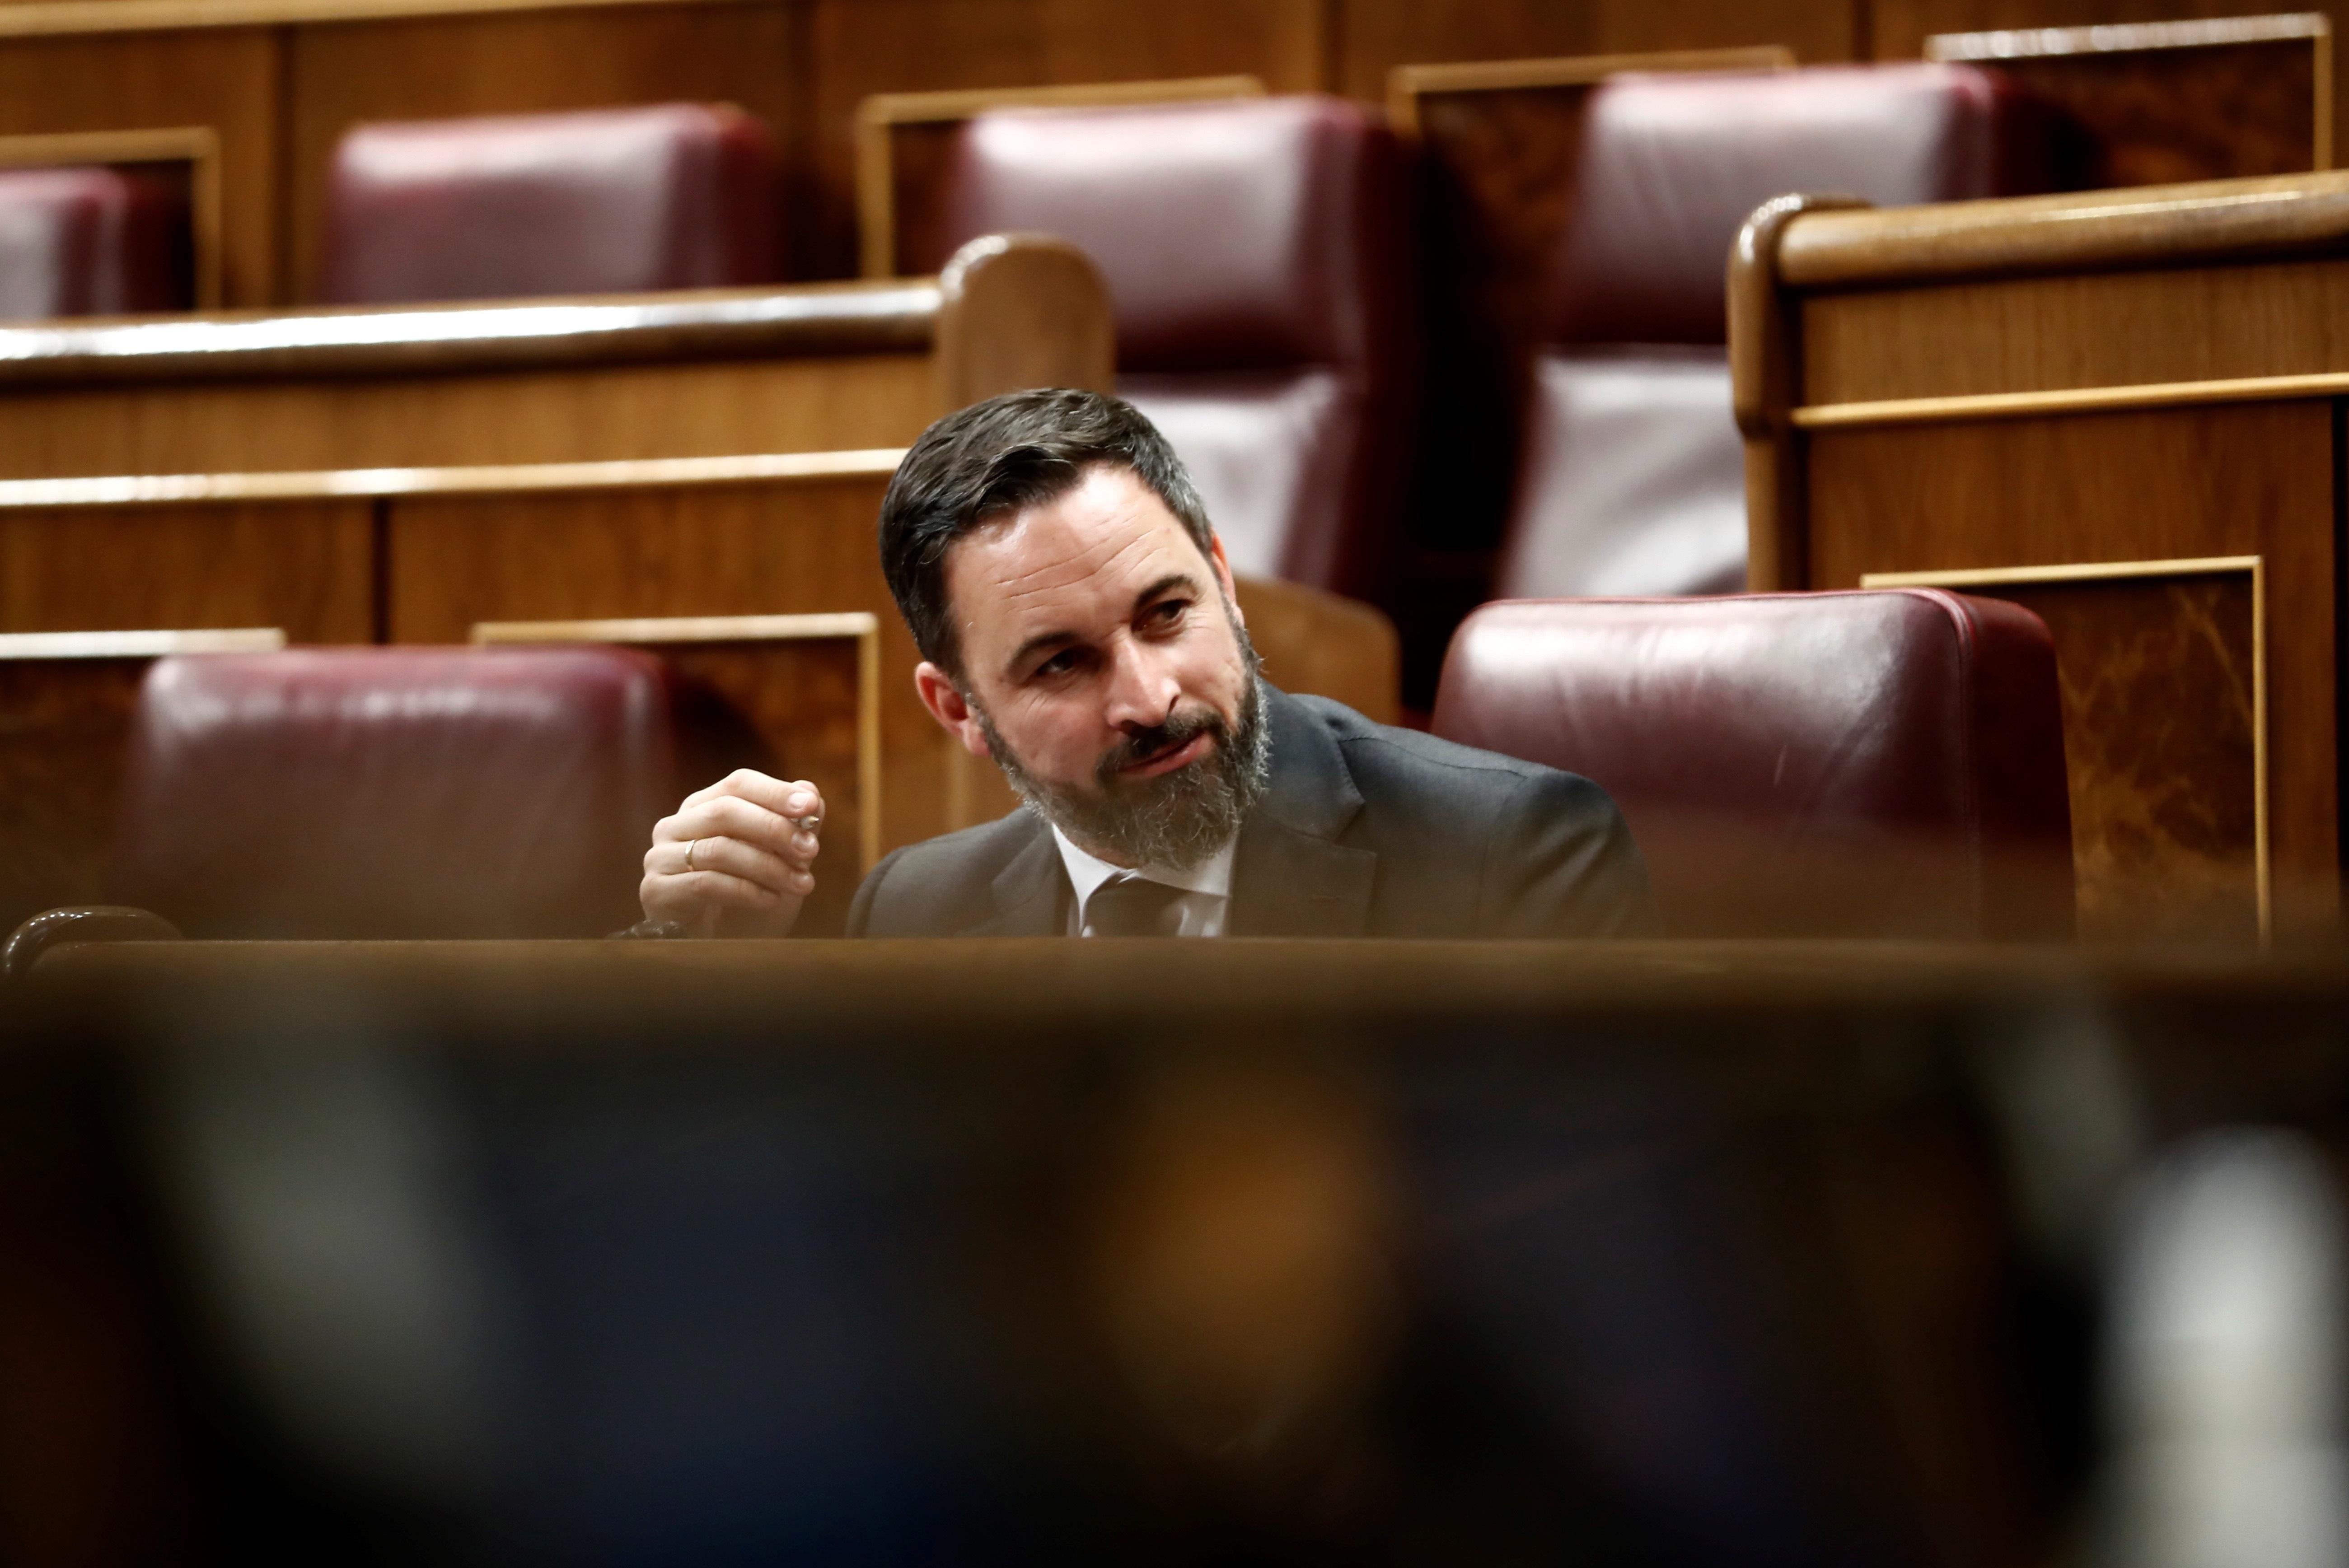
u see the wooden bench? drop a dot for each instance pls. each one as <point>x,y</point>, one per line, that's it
<point>2124,409</point>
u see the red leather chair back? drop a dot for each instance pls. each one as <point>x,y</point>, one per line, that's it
<point>394,792</point>
<point>673,196</point>
<point>1632,481</point>
<point>90,242</point>
<point>1257,251</point>
<point>1884,763</point>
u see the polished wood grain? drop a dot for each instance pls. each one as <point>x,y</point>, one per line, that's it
<point>905,148</point>
<point>822,368</point>
<point>512,63</point>
<point>2167,225</point>
<point>1318,643</point>
<point>2160,484</point>
<point>2157,104</point>
<point>2161,671</point>
<point>306,566</point>
<point>2091,328</point>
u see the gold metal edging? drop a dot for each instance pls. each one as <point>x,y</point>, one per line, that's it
<point>2068,400</point>
<point>2112,571</point>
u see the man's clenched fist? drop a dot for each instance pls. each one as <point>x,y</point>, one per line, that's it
<point>737,859</point>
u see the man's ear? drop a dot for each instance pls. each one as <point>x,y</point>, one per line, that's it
<point>948,706</point>
<point>1224,575</point>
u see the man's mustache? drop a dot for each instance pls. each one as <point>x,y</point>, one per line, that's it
<point>1141,745</point>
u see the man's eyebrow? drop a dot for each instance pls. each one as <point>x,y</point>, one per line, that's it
<point>1042,640</point>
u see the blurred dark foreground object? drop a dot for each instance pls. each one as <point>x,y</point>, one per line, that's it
<point>1219,1252</point>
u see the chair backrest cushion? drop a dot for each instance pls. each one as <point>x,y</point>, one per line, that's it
<point>394,792</point>
<point>1241,233</point>
<point>1671,165</point>
<point>1884,763</point>
<point>1258,253</point>
<point>671,196</point>
<point>90,242</point>
<point>1633,479</point>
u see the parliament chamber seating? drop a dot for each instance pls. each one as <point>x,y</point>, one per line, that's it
<point>1631,477</point>
<point>1256,257</point>
<point>621,200</point>
<point>1884,764</point>
<point>90,242</point>
<point>395,793</point>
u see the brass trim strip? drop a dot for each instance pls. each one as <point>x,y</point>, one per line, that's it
<point>876,174</point>
<point>1406,85</point>
<point>140,645</point>
<point>2108,571</point>
<point>498,479</point>
<point>2069,400</point>
<point>2033,43</point>
<point>654,632</point>
<point>58,18</point>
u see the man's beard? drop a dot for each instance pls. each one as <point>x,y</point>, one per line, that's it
<point>1177,819</point>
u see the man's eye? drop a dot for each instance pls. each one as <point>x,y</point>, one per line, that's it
<point>1059,664</point>
<point>1166,611</point>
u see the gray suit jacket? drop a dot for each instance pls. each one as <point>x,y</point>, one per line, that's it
<point>1365,831</point>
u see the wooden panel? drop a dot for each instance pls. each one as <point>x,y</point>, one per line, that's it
<point>449,66</point>
<point>2160,485</point>
<point>64,728</point>
<point>306,567</point>
<point>2166,103</point>
<point>1318,643</point>
<point>1374,36</point>
<point>2093,329</point>
<point>556,416</point>
<point>859,48</point>
<point>227,81</point>
<point>749,550</point>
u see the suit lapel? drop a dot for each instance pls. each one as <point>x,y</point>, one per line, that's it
<point>1291,876</point>
<point>1029,892</point>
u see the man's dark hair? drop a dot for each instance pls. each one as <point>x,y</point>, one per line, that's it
<point>998,457</point>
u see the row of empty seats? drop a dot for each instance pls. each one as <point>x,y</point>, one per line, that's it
<point>1876,764</point>
<point>1259,254</point>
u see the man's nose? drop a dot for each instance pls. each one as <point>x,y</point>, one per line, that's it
<point>1143,691</point>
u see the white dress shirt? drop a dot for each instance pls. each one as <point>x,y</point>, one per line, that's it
<point>1207,887</point>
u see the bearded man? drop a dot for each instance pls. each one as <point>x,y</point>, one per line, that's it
<point>1074,614</point>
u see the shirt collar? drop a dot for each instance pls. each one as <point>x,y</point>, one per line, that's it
<point>1088,872</point>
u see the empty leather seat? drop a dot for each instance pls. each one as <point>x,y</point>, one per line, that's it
<point>1256,254</point>
<point>1884,763</point>
<point>394,792</point>
<point>674,196</point>
<point>90,242</point>
<point>1632,478</point>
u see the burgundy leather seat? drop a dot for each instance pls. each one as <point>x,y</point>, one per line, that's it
<point>674,196</point>
<point>1632,479</point>
<point>394,792</point>
<point>1256,250</point>
<point>1885,763</point>
<point>90,242</point>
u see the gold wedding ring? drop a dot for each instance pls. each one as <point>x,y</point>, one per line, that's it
<point>689,853</point>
